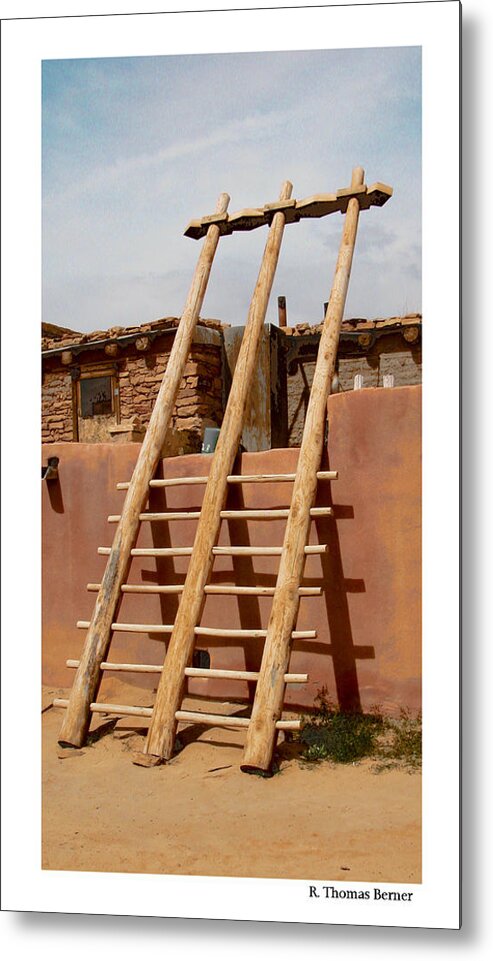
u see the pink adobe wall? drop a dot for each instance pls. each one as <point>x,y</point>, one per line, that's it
<point>368,619</point>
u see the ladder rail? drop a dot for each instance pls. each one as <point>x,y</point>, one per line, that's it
<point>88,676</point>
<point>162,728</point>
<point>270,689</point>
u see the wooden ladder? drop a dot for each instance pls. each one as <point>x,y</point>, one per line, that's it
<point>266,719</point>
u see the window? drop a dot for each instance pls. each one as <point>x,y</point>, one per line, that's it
<point>96,396</point>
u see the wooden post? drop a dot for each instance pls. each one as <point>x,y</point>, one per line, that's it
<point>269,694</point>
<point>88,677</point>
<point>162,729</point>
<point>281,312</point>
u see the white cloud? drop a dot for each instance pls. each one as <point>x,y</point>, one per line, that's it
<point>134,149</point>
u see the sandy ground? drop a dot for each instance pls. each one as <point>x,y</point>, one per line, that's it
<point>200,815</point>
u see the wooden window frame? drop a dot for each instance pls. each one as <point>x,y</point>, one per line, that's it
<point>90,374</point>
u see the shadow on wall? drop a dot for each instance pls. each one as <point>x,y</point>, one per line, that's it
<point>342,649</point>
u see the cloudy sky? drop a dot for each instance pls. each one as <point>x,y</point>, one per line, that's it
<point>134,148</point>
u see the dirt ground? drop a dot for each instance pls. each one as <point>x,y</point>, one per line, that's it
<point>200,815</point>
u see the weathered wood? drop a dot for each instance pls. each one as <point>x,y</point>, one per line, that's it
<point>204,672</point>
<point>229,589</point>
<point>162,729</point>
<point>88,677</point>
<point>116,666</point>
<point>96,708</point>
<point>269,694</point>
<point>199,631</point>
<point>324,475</point>
<point>223,720</point>
<point>217,551</point>
<point>281,312</point>
<point>245,515</point>
<point>318,205</point>
<point>265,551</point>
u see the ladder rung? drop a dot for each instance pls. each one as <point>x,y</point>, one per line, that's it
<point>215,720</point>
<point>259,515</point>
<point>222,720</point>
<point>200,631</point>
<point>323,475</point>
<point>209,589</point>
<point>96,708</point>
<point>207,672</point>
<point>239,675</point>
<point>217,551</point>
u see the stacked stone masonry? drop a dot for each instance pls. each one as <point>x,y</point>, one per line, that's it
<point>136,363</point>
<point>56,407</point>
<point>136,359</point>
<point>199,399</point>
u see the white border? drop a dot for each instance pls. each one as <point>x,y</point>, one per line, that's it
<point>435,27</point>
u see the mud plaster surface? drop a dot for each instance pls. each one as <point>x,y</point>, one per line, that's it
<point>199,815</point>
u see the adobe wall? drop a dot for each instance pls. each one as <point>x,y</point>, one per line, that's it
<point>368,619</point>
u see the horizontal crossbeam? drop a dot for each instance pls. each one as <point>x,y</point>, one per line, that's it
<point>199,631</point>
<point>233,589</point>
<point>217,551</point>
<point>246,515</point>
<point>195,717</point>
<point>319,205</point>
<point>322,475</point>
<point>203,672</point>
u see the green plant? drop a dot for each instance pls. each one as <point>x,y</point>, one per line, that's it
<point>333,735</point>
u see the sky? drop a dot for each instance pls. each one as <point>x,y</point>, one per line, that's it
<point>135,148</point>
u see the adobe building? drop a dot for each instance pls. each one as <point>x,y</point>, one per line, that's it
<point>98,394</point>
<point>101,386</point>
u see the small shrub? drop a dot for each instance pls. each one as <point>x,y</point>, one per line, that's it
<point>344,738</point>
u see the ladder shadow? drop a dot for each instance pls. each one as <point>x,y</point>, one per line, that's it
<point>244,574</point>
<point>165,571</point>
<point>336,588</point>
<point>191,734</point>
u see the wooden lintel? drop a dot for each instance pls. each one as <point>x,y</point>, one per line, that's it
<point>352,191</point>
<point>214,218</point>
<point>376,196</point>
<point>318,205</point>
<point>247,219</point>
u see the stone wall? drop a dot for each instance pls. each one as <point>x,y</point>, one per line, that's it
<point>199,401</point>
<point>389,354</point>
<point>278,398</point>
<point>56,406</point>
<point>137,375</point>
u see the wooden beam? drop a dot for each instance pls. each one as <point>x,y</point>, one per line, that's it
<point>88,677</point>
<point>269,694</point>
<point>323,475</point>
<point>195,717</point>
<point>229,589</point>
<point>223,720</point>
<point>96,708</point>
<point>216,551</point>
<point>203,672</point>
<point>319,205</point>
<point>199,631</point>
<point>245,515</point>
<point>162,729</point>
